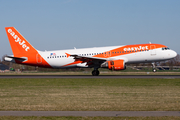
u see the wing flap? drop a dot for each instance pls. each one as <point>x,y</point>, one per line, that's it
<point>90,61</point>
<point>87,57</point>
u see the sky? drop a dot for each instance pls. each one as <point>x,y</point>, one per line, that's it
<point>65,24</point>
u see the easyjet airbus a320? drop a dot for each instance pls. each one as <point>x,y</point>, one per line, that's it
<point>113,57</point>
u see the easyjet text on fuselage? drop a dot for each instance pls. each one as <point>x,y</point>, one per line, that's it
<point>136,48</point>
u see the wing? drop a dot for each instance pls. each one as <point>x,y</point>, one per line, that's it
<point>91,61</point>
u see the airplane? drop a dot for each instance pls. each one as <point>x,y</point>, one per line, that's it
<point>112,57</point>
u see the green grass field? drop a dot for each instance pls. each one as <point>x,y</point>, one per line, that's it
<point>90,94</point>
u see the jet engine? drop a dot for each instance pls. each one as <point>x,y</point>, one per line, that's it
<point>114,65</point>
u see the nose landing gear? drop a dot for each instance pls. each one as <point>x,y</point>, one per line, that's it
<point>154,67</point>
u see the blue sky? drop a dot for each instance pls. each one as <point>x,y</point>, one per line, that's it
<point>65,24</point>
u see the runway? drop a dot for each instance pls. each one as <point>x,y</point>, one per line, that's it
<point>89,76</point>
<point>91,113</point>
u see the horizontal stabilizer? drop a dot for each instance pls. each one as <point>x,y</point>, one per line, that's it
<point>12,59</point>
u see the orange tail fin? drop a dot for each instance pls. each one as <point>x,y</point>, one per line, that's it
<point>24,52</point>
<point>19,45</point>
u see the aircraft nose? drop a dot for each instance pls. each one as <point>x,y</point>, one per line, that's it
<point>173,54</point>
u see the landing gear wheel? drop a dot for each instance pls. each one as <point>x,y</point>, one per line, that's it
<point>154,70</point>
<point>95,72</point>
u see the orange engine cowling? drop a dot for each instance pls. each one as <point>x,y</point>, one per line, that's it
<point>116,65</point>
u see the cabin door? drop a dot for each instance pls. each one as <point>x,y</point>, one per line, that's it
<point>153,49</point>
<point>38,59</point>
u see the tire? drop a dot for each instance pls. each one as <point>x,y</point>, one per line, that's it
<point>95,72</point>
<point>154,70</point>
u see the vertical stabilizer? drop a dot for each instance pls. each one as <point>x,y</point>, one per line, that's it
<point>19,45</point>
<point>23,51</point>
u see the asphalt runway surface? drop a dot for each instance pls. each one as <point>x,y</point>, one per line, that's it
<point>91,113</point>
<point>89,76</point>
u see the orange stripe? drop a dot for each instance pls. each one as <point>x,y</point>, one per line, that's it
<point>76,62</point>
<point>128,49</point>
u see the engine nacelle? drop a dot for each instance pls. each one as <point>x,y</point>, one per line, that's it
<point>114,65</point>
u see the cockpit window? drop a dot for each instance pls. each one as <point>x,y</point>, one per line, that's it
<point>165,48</point>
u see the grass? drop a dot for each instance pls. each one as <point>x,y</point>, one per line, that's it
<point>88,118</point>
<point>90,94</point>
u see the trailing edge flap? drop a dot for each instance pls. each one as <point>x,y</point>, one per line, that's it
<point>85,58</point>
<point>22,59</point>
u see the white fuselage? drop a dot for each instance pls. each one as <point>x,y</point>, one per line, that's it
<point>60,59</point>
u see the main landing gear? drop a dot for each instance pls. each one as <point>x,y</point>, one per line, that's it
<point>154,67</point>
<point>95,72</point>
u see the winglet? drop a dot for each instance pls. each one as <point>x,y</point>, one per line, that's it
<point>67,55</point>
